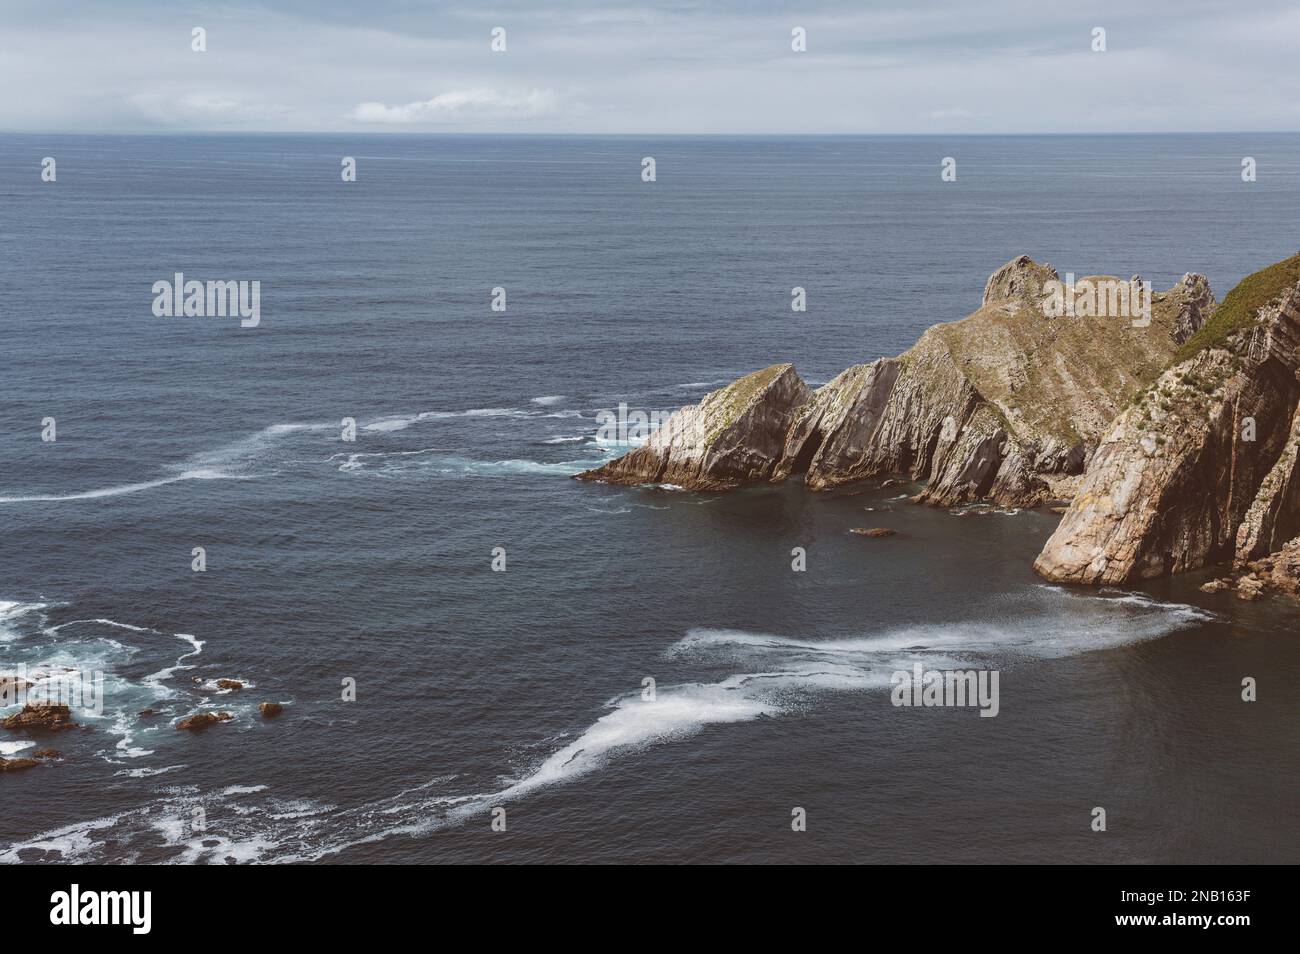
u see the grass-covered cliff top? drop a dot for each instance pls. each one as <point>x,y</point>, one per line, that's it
<point>1064,377</point>
<point>1238,309</point>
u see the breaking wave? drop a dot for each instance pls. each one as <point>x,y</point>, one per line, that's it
<point>771,676</point>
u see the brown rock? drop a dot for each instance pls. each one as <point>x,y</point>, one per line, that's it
<point>45,754</point>
<point>1059,509</point>
<point>145,713</point>
<point>1216,586</point>
<point>1279,572</point>
<point>13,765</point>
<point>873,531</point>
<point>43,716</point>
<point>1249,588</point>
<point>233,684</point>
<point>203,720</point>
<point>270,710</point>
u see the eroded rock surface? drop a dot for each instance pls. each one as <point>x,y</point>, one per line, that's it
<point>1176,484</point>
<point>1006,405</point>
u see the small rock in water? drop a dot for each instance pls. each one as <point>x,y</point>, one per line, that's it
<point>270,709</point>
<point>45,754</point>
<point>232,684</point>
<point>1215,586</point>
<point>13,765</point>
<point>202,720</point>
<point>873,531</point>
<point>48,716</point>
<point>1249,588</point>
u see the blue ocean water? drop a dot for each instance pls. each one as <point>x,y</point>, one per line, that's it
<point>370,561</point>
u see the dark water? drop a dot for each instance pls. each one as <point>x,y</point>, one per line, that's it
<point>475,689</point>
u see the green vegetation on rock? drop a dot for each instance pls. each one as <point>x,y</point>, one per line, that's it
<point>1239,308</point>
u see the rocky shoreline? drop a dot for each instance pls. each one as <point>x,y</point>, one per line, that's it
<point>1174,440</point>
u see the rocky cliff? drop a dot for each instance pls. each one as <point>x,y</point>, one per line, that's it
<point>731,438</point>
<point>1202,466</point>
<point>1005,405</point>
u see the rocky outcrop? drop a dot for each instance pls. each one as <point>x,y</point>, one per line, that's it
<point>1280,571</point>
<point>14,765</point>
<point>733,437</point>
<point>203,720</point>
<point>1006,405</point>
<point>1197,469</point>
<point>42,717</point>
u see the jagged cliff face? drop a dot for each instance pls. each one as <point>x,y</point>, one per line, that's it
<point>733,437</point>
<point>1178,481</point>
<point>1005,405</point>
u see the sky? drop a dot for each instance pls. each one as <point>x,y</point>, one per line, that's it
<point>727,67</point>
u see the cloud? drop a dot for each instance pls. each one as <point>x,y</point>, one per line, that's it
<point>464,105</point>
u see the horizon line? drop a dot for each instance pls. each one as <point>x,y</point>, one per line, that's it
<point>616,135</point>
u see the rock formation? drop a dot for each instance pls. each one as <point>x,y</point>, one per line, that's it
<point>203,720</point>
<point>1202,466</point>
<point>41,716</point>
<point>1006,405</point>
<point>731,438</point>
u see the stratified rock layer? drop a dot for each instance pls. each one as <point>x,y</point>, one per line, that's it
<point>1197,468</point>
<point>1005,405</point>
<point>733,437</point>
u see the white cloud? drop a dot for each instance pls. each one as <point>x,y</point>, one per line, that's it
<point>464,105</point>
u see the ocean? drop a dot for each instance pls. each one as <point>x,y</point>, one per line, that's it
<point>364,568</point>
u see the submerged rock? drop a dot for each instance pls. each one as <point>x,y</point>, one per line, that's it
<point>1202,466</point>
<point>873,531</point>
<point>731,438</point>
<point>41,716</point>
